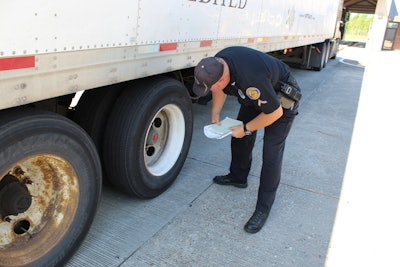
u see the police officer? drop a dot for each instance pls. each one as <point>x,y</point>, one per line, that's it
<point>268,95</point>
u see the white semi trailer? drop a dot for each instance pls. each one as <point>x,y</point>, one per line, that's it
<point>134,60</point>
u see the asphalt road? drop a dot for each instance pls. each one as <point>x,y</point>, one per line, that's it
<point>198,223</point>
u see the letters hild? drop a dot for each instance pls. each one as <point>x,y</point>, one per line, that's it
<point>241,4</point>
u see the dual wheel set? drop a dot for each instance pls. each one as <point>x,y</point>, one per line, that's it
<point>51,168</point>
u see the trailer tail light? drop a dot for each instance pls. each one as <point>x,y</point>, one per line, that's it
<point>287,51</point>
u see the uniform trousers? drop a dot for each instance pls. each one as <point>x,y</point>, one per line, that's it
<point>273,148</point>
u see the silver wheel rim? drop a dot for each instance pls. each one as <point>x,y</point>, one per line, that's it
<point>164,140</point>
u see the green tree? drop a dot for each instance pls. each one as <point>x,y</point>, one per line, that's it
<point>357,26</point>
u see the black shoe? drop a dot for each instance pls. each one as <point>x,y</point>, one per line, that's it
<point>227,180</point>
<point>256,222</point>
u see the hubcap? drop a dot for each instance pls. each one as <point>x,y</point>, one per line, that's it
<point>164,140</point>
<point>14,197</point>
<point>39,196</point>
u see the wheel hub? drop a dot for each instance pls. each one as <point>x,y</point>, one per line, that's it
<point>14,197</point>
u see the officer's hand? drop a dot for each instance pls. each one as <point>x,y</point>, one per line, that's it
<point>215,119</point>
<point>238,131</point>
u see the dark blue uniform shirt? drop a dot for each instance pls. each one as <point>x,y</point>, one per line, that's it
<point>255,77</point>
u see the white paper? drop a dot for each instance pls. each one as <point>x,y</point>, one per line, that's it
<point>219,131</point>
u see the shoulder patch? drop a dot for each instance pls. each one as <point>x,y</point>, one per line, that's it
<point>253,93</point>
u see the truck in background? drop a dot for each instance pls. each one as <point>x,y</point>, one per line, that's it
<point>133,60</point>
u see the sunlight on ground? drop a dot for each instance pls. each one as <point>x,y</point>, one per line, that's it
<point>366,230</point>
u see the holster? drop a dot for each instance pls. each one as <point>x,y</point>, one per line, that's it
<point>286,102</point>
<point>288,95</point>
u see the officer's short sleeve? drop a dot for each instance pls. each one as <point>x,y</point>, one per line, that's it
<point>264,97</point>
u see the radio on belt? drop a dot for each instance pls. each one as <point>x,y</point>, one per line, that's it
<point>291,91</point>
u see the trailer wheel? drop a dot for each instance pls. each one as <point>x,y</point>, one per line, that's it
<point>327,53</point>
<point>335,47</point>
<point>92,113</point>
<point>148,136</point>
<point>93,109</point>
<point>50,182</point>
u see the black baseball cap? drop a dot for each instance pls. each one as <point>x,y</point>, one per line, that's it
<point>207,72</point>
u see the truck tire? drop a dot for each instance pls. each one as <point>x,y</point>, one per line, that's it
<point>327,53</point>
<point>148,136</point>
<point>92,113</point>
<point>335,48</point>
<point>93,109</point>
<point>50,182</point>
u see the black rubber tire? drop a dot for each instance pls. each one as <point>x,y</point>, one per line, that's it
<point>323,56</point>
<point>327,52</point>
<point>62,172</point>
<point>93,110</point>
<point>135,163</point>
<point>92,113</point>
<point>335,48</point>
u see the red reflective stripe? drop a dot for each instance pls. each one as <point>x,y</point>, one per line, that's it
<point>168,47</point>
<point>17,63</point>
<point>205,43</point>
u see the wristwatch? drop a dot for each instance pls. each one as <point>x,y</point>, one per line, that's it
<point>246,132</point>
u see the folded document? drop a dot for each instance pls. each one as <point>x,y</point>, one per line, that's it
<point>219,131</point>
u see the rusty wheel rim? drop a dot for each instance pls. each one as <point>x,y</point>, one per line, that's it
<point>30,229</point>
